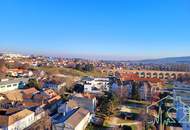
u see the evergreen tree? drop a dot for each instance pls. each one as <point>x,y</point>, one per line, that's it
<point>135,91</point>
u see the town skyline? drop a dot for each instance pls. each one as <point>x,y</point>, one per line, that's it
<point>87,57</point>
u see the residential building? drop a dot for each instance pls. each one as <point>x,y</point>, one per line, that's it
<point>14,95</point>
<point>16,120</point>
<point>67,107</point>
<point>95,84</point>
<point>42,120</point>
<point>9,85</point>
<point>146,86</point>
<point>14,116</point>
<point>86,101</point>
<point>15,72</point>
<point>75,119</point>
<point>33,97</point>
<point>54,85</point>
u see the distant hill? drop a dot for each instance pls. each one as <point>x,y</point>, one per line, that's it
<point>169,60</point>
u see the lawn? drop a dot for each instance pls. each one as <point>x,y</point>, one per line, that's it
<point>169,86</point>
<point>139,102</point>
<point>131,110</point>
<point>115,121</point>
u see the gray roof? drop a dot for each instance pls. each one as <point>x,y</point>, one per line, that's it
<point>12,81</point>
<point>84,103</point>
<point>87,79</point>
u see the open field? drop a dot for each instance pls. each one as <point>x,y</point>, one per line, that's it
<point>114,121</point>
<point>71,72</point>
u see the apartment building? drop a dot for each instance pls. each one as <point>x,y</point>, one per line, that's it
<point>95,84</point>
<point>71,117</point>
<point>12,84</point>
<point>16,120</point>
<point>54,85</point>
<point>86,101</point>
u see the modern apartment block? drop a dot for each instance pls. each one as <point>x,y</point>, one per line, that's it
<point>95,84</point>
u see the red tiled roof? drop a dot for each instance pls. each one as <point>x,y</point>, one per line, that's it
<point>135,77</point>
<point>88,95</point>
<point>30,91</point>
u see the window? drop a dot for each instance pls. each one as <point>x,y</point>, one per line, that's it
<point>14,84</point>
<point>2,86</point>
<point>8,85</point>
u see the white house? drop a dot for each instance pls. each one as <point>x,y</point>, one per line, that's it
<point>16,121</point>
<point>95,84</point>
<point>53,85</point>
<point>9,85</point>
<point>77,119</point>
<point>71,117</point>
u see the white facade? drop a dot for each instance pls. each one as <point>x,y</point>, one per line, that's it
<point>20,124</point>
<point>23,123</point>
<point>8,87</point>
<point>12,55</point>
<point>82,125</point>
<point>54,86</point>
<point>96,84</point>
<point>67,125</point>
<point>11,85</point>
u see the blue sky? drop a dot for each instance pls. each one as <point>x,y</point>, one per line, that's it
<point>108,29</point>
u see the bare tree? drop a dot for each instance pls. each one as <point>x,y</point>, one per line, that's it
<point>121,93</point>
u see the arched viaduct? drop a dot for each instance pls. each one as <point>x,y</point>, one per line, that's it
<point>151,73</point>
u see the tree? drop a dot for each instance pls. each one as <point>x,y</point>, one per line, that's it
<point>2,63</point>
<point>135,91</point>
<point>78,88</point>
<point>3,67</point>
<point>23,66</point>
<point>78,67</point>
<point>90,127</point>
<point>89,67</point>
<point>121,93</point>
<point>109,103</point>
<point>112,104</point>
<point>182,78</point>
<point>33,83</point>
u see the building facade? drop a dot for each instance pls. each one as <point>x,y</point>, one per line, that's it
<point>9,85</point>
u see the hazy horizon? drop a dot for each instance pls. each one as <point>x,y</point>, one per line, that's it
<point>92,57</point>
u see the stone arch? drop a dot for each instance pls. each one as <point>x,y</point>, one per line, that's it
<point>155,75</point>
<point>137,73</point>
<point>173,76</point>
<point>167,76</point>
<point>142,74</point>
<point>110,73</point>
<point>148,75</point>
<point>104,71</point>
<point>117,74</point>
<point>179,75</point>
<point>161,75</point>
